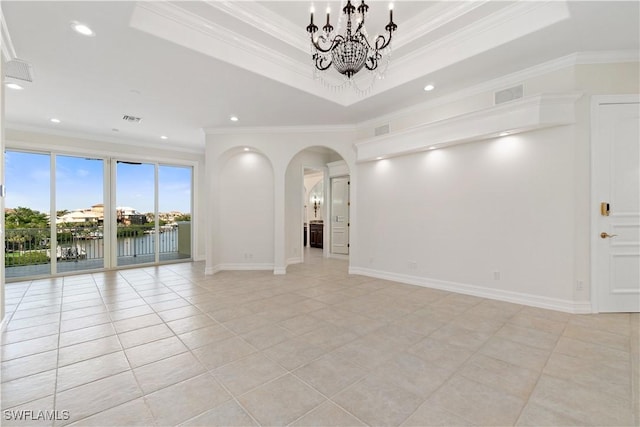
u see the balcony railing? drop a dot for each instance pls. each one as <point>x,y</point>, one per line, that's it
<point>32,246</point>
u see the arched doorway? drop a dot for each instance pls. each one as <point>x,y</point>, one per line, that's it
<point>317,205</point>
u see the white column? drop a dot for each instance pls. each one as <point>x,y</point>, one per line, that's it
<point>212,232</point>
<point>279,253</point>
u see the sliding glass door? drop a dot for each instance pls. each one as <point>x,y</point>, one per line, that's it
<point>174,213</point>
<point>135,213</point>
<point>79,213</point>
<point>74,213</point>
<point>27,243</point>
<point>153,212</point>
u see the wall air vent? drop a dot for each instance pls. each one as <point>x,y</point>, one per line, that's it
<point>381,130</point>
<point>19,70</point>
<point>131,119</point>
<point>507,95</point>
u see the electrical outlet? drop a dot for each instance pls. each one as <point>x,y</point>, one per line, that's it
<point>413,265</point>
<point>496,275</point>
<point>579,285</point>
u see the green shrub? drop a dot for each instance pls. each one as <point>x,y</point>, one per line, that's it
<point>26,258</point>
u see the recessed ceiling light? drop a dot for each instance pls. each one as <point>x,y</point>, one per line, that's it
<point>432,147</point>
<point>379,158</point>
<point>233,118</point>
<point>164,137</point>
<point>429,88</point>
<point>14,86</point>
<point>247,149</point>
<point>504,133</point>
<point>83,29</point>
<point>54,120</point>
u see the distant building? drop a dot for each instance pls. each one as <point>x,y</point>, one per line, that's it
<point>130,216</point>
<point>83,216</point>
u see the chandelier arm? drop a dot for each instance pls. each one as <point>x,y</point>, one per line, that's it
<point>351,51</point>
<point>336,41</point>
<point>382,41</point>
<point>320,60</point>
<point>373,59</point>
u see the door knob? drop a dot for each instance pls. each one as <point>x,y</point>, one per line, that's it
<point>604,235</point>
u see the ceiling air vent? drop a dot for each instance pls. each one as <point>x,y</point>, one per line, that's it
<point>131,119</point>
<point>507,95</point>
<point>19,70</point>
<point>381,130</point>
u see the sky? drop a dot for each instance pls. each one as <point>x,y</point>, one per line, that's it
<point>79,183</point>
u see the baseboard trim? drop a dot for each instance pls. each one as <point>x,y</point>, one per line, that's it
<point>568,306</point>
<point>295,260</point>
<point>242,266</point>
<point>211,270</point>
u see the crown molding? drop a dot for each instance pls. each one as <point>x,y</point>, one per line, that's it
<point>221,34</point>
<point>280,129</point>
<point>256,15</point>
<point>530,113</point>
<point>606,57</point>
<point>173,23</point>
<point>424,23</point>
<point>8,50</point>
<point>508,80</point>
<point>510,23</point>
<point>40,130</point>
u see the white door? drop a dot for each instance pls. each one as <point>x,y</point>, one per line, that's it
<point>616,185</point>
<point>340,215</point>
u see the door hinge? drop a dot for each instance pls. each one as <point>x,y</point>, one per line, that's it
<point>348,224</point>
<point>348,182</point>
<point>348,245</point>
<point>348,203</point>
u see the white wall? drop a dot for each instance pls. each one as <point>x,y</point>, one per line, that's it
<point>459,215</point>
<point>281,148</point>
<point>517,205</point>
<point>246,210</point>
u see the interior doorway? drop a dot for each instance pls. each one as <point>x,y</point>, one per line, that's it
<point>313,212</point>
<point>308,204</point>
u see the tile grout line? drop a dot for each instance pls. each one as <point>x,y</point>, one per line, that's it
<point>55,389</point>
<point>634,343</point>
<point>541,373</point>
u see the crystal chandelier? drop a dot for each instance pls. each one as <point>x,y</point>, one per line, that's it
<point>350,52</point>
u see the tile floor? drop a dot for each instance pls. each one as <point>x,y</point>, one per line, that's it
<point>170,346</point>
